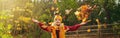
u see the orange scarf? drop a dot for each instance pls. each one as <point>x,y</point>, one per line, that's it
<point>61,33</point>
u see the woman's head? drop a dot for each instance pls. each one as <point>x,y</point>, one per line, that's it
<point>57,19</point>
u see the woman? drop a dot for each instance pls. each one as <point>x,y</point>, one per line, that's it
<point>57,28</point>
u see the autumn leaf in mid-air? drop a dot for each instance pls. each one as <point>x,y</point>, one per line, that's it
<point>89,30</point>
<point>77,13</point>
<point>68,11</point>
<point>98,22</point>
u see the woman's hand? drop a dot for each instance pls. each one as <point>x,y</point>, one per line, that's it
<point>85,22</point>
<point>34,20</point>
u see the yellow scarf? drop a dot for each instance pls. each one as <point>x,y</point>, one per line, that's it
<point>61,33</point>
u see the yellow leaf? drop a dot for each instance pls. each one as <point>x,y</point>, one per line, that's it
<point>98,22</point>
<point>77,13</point>
<point>84,19</point>
<point>89,30</point>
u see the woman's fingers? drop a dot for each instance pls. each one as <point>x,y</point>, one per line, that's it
<point>83,23</point>
<point>34,20</point>
<point>89,21</point>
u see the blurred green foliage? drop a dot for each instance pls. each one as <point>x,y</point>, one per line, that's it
<point>5,26</point>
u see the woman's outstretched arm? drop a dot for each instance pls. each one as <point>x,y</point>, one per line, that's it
<point>41,25</point>
<point>76,26</point>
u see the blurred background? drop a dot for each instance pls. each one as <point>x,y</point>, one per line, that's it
<point>15,18</point>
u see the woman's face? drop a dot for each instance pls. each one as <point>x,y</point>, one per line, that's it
<point>57,21</point>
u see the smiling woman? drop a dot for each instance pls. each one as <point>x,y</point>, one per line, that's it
<point>15,16</point>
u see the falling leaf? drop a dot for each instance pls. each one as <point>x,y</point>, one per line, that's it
<point>98,22</point>
<point>77,13</point>
<point>84,20</point>
<point>79,18</point>
<point>83,14</point>
<point>89,30</point>
<point>84,8</point>
<point>68,11</point>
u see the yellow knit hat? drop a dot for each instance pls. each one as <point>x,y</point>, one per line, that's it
<point>58,17</point>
